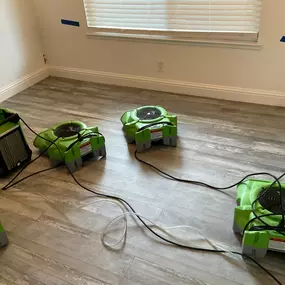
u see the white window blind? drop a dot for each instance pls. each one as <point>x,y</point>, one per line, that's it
<point>223,19</point>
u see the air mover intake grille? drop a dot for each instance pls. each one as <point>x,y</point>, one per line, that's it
<point>270,200</point>
<point>13,149</point>
<point>148,113</point>
<point>67,130</point>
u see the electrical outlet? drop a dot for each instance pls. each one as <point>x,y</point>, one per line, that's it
<point>160,66</point>
<point>45,58</point>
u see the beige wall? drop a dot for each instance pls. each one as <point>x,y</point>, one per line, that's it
<point>20,46</point>
<point>257,69</point>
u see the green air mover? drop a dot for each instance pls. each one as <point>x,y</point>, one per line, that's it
<point>3,237</point>
<point>74,140</point>
<point>14,150</point>
<point>257,237</point>
<point>147,124</point>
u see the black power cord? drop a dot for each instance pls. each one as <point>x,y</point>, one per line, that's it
<point>29,176</point>
<point>199,183</point>
<point>81,138</point>
<point>279,229</point>
<point>141,219</point>
<point>202,184</point>
<point>11,184</point>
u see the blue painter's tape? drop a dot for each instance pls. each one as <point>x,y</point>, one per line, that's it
<point>70,23</point>
<point>282,39</point>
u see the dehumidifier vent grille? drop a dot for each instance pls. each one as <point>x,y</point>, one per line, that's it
<point>13,148</point>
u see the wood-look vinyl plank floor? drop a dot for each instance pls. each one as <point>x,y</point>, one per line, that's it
<point>54,226</point>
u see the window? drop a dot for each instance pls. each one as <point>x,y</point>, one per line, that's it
<point>177,19</point>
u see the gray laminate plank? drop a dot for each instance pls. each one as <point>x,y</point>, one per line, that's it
<point>54,226</point>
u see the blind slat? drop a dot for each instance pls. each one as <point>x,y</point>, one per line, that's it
<point>180,26</point>
<point>170,16</point>
<point>188,2</point>
<point>112,6</point>
<point>189,13</point>
<point>185,18</point>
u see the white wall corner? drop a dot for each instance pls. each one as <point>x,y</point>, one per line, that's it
<point>23,83</point>
<point>257,96</point>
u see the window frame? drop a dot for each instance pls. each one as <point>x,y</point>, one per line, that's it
<point>233,39</point>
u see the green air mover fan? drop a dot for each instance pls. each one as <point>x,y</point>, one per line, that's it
<point>14,150</point>
<point>257,237</point>
<point>75,141</point>
<point>147,124</point>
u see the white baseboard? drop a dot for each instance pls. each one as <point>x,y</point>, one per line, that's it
<point>265,97</point>
<point>23,83</point>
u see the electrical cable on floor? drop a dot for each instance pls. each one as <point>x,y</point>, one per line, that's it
<point>202,184</point>
<point>29,176</point>
<point>158,227</point>
<point>9,184</point>
<point>199,183</point>
<point>165,230</point>
<point>148,227</point>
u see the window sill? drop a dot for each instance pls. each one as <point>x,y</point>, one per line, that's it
<point>168,40</point>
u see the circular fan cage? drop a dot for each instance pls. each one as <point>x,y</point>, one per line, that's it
<point>67,130</point>
<point>148,113</point>
<point>270,200</point>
